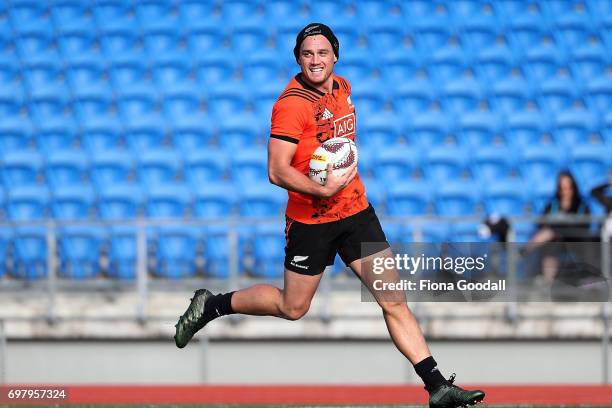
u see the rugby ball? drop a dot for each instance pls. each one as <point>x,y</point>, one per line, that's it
<point>341,152</point>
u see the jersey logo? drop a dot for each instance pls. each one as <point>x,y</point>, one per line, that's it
<point>344,126</point>
<point>327,114</point>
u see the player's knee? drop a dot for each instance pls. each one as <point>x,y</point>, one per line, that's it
<point>295,312</point>
<point>394,307</point>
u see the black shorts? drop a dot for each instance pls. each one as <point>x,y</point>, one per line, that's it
<point>311,247</point>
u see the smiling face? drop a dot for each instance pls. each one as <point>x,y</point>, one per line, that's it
<point>317,61</point>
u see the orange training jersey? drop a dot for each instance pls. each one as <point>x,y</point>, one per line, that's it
<point>308,117</point>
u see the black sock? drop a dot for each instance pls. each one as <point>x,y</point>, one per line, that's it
<point>427,369</point>
<point>218,305</point>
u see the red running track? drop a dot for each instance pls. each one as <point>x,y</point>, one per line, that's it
<point>318,394</point>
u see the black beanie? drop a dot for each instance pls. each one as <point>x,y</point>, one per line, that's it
<point>316,29</point>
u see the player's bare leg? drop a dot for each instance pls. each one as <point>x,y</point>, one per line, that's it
<point>291,303</point>
<point>401,323</point>
<point>408,338</point>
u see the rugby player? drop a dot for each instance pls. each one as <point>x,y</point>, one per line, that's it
<point>321,220</point>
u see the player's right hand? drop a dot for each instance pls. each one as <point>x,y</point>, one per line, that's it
<point>334,183</point>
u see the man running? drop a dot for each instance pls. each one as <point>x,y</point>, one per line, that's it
<point>322,220</point>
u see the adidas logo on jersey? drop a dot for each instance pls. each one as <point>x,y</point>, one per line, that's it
<point>327,114</point>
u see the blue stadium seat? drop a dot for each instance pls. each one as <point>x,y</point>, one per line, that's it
<point>192,133</point>
<point>160,42</point>
<point>369,97</point>
<point>217,248</point>
<point>32,40</point>
<point>525,31</point>
<point>15,132</point>
<point>606,129</point>
<point>348,33</point>
<point>122,252</point>
<point>118,42</point>
<point>376,192</point>
<point>9,66</point>
<point>396,165</point>
<point>90,103</point>
<point>170,73</point>
<point>168,201</point>
<point>268,250</point>
<point>120,201</point>
<point>262,200</point>
<point>30,259</point>
<point>76,42</point>
<point>158,166</point>
<point>432,32</point>
<point>100,133</point>
<point>447,64</point>
<point>156,14</point>
<point>11,101</point>
<point>41,76</point>
<point>461,96</point>
<point>127,74</point>
<point>195,12</point>
<point>588,61</point>
<point>264,97</point>
<point>286,31</point>
<point>134,103</point>
<point>433,232</point>
<point>479,31</point>
<point>204,38</point>
<point>250,166</point>
<point>27,203</point>
<point>589,164</point>
<point>478,129</point>
<point>378,130</point>
<point>467,232</point>
<point>181,103</point>
<point>113,14</point>
<point>573,29</point>
<point>470,8</point>
<point>84,76</point>
<point>399,65</point>
<point>66,167</point>
<point>214,199</point>
<point>227,101</point>
<point>490,163</point>
<point>457,198</point>
<point>408,198</point>
<point>48,107</point>
<point>556,8</point>
<point>510,95</point>
<point>25,14</point>
<point>144,132</point>
<point>506,197</point>
<point>539,163</point>
<point>110,166</point>
<point>355,65</point>
<point>279,10</point>
<point>418,8</point>
<point>261,67</point>
<point>522,231</point>
<point>70,15</point>
<point>21,167</point>
<point>445,164</point>
<point>574,127</point>
<point>541,194</point>
<point>176,251</point>
<point>430,128</point>
<point>326,10</point>
<point>413,97</point>
<point>557,94</point>
<point>239,132</point>
<point>79,252</point>
<point>543,62</point>
<point>73,202</point>
<point>248,35</point>
<point>383,36</point>
<point>526,128</point>
<point>494,63</point>
<point>7,239</point>
<point>214,67</point>
<point>233,10</point>
<point>599,94</point>
<point>365,162</point>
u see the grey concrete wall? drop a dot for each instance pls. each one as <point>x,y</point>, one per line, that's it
<point>313,362</point>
